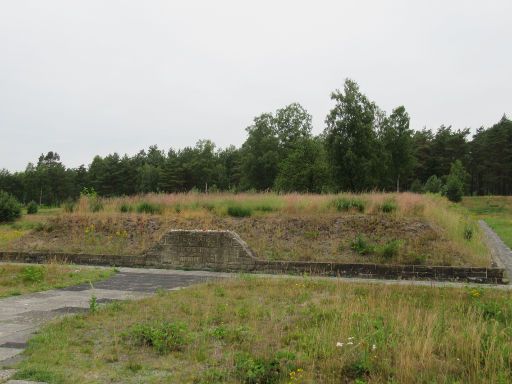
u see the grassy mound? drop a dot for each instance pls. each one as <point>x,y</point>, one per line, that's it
<point>398,228</point>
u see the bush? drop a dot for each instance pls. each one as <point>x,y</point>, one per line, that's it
<point>239,211</point>
<point>32,208</point>
<point>361,245</point>
<point>416,186</point>
<point>164,337</point>
<point>454,189</point>
<point>149,208</point>
<point>433,184</point>
<point>468,232</point>
<point>10,208</point>
<point>343,204</point>
<point>388,206</point>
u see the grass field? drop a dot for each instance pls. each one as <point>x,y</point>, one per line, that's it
<point>253,330</point>
<point>16,279</point>
<point>496,211</point>
<point>374,228</point>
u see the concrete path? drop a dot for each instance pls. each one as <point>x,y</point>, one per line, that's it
<point>501,254</point>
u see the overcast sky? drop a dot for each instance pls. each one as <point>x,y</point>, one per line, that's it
<point>101,76</point>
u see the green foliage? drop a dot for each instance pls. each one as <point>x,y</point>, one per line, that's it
<point>259,370</point>
<point>454,189</point>
<point>388,206</point>
<point>239,211</point>
<point>69,205</point>
<point>125,208</point>
<point>164,336</point>
<point>32,208</point>
<point>468,232</point>
<point>93,304</point>
<point>10,208</point>
<point>416,186</point>
<point>32,274</point>
<point>390,249</point>
<point>95,204</point>
<point>149,208</point>
<point>344,204</point>
<point>433,184</point>
<point>361,245</point>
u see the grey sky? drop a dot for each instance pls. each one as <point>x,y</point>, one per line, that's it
<point>97,76</point>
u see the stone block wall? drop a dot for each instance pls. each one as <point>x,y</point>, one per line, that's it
<point>226,251</point>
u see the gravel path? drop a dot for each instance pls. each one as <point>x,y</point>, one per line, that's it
<point>501,254</point>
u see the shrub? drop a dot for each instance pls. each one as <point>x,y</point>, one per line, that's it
<point>361,245</point>
<point>454,189</point>
<point>388,206</point>
<point>32,274</point>
<point>10,208</point>
<point>149,208</point>
<point>343,204</point>
<point>125,208</point>
<point>32,208</point>
<point>164,336</point>
<point>416,186</point>
<point>433,184</point>
<point>239,211</point>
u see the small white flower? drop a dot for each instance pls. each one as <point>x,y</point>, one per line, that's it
<point>350,343</point>
<point>338,344</point>
<point>374,347</point>
<point>351,338</point>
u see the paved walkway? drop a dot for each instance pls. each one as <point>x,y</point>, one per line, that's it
<point>501,254</point>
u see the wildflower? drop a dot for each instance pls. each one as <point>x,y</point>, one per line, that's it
<point>374,347</point>
<point>339,344</point>
<point>350,343</point>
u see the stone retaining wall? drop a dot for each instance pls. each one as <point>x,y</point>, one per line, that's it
<point>225,251</point>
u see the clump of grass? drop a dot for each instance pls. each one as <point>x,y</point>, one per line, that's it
<point>125,208</point>
<point>468,232</point>
<point>163,337</point>
<point>345,204</point>
<point>149,208</point>
<point>388,206</point>
<point>390,249</point>
<point>239,211</point>
<point>95,204</point>
<point>69,205</point>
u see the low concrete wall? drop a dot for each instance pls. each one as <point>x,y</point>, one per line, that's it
<point>226,251</point>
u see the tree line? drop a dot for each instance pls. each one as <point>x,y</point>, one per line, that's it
<point>361,148</point>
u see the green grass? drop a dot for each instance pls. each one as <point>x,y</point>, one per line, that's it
<point>17,279</point>
<point>255,330</point>
<point>496,211</point>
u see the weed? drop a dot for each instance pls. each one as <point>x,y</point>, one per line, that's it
<point>388,206</point>
<point>125,208</point>
<point>164,336</point>
<point>93,304</point>
<point>69,206</point>
<point>390,249</point>
<point>239,211</point>
<point>33,274</point>
<point>468,232</point>
<point>361,245</point>
<point>256,370</point>
<point>149,208</point>
<point>343,204</point>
